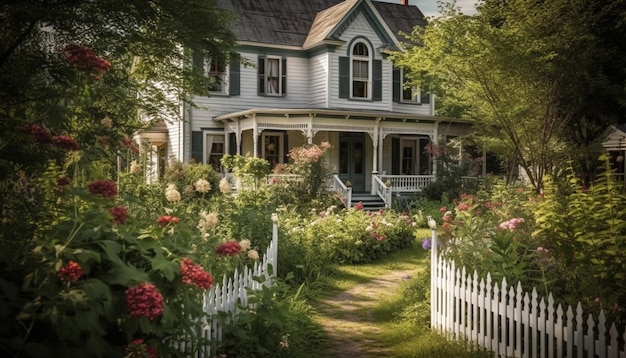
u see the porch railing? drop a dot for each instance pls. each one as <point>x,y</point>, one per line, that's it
<point>382,190</point>
<point>407,183</point>
<point>344,192</point>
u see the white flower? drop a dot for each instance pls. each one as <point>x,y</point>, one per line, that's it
<point>171,194</point>
<point>202,186</point>
<point>253,255</point>
<point>225,186</point>
<point>339,220</point>
<point>106,122</point>
<point>245,244</point>
<point>135,168</point>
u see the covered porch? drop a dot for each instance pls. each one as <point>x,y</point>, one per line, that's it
<point>372,152</point>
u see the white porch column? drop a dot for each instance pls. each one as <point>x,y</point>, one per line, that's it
<point>309,130</point>
<point>435,139</point>
<point>255,137</point>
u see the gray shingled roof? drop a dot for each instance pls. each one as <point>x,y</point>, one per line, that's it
<point>288,22</point>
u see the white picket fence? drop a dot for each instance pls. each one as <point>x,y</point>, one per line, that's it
<point>512,323</point>
<point>225,296</point>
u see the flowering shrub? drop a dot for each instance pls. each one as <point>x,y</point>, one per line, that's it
<point>228,248</point>
<point>192,273</point>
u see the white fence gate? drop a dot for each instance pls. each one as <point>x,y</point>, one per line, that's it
<point>224,297</point>
<point>512,323</point>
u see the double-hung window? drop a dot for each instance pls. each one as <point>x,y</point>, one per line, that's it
<point>272,73</point>
<point>406,92</point>
<point>216,71</point>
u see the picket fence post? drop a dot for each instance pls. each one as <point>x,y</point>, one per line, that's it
<point>225,296</point>
<point>501,317</point>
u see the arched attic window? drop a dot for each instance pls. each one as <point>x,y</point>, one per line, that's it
<point>361,71</point>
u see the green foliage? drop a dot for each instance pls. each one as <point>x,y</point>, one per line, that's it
<point>277,323</point>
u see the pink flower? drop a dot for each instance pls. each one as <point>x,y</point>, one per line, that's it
<point>463,206</point>
<point>443,209</point>
<point>359,206</point>
<point>228,248</point>
<point>119,214</point>
<point>166,219</point>
<point>144,300</point>
<point>71,272</point>
<point>194,274</point>
<point>511,224</point>
<point>105,188</point>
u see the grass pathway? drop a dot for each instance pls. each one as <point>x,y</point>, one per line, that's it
<point>361,306</point>
<point>349,321</point>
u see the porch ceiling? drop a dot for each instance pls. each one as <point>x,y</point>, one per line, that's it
<point>336,113</point>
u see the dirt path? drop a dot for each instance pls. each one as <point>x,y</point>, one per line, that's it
<point>348,319</point>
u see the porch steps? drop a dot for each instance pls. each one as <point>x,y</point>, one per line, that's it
<point>370,202</point>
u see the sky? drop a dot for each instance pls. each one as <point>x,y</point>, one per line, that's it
<point>430,8</point>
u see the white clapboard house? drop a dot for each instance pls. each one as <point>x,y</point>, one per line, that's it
<point>317,70</point>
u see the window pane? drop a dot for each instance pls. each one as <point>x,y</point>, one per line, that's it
<point>273,76</point>
<point>359,89</point>
<point>360,49</point>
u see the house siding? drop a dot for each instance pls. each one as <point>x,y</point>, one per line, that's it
<point>319,79</point>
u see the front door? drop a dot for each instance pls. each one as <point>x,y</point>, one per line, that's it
<point>352,160</point>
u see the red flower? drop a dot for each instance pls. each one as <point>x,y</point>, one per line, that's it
<point>86,60</point>
<point>38,133</point>
<point>65,142</point>
<point>194,274</point>
<point>119,214</point>
<point>228,248</point>
<point>443,209</point>
<point>166,219</point>
<point>106,188</point>
<point>71,272</point>
<point>144,300</point>
<point>139,349</point>
<point>463,206</point>
<point>63,181</point>
<point>358,206</point>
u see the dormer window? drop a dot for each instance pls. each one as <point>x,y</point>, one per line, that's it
<point>361,71</point>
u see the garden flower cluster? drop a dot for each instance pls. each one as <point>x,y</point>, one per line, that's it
<point>139,349</point>
<point>192,273</point>
<point>228,248</point>
<point>71,272</point>
<point>86,60</point>
<point>104,188</point>
<point>119,214</point>
<point>144,300</point>
<point>167,219</point>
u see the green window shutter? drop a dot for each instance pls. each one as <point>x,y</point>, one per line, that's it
<point>261,75</point>
<point>234,77</point>
<point>284,76</point>
<point>397,84</point>
<point>196,146</point>
<point>377,80</point>
<point>344,77</point>
<point>395,156</point>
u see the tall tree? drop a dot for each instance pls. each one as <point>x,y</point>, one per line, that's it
<point>521,69</point>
